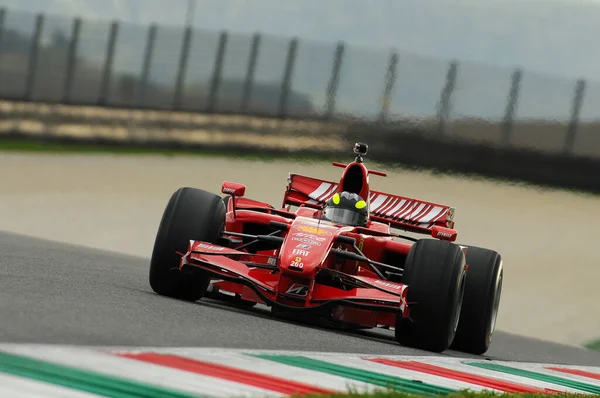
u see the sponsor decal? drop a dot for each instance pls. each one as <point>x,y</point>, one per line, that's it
<point>228,190</point>
<point>309,221</point>
<point>272,261</point>
<point>311,242</point>
<point>301,246</point>
<point>388,284</point>
<point>313,230</point>
<point>209,247</point>
<point>300,252</point>
<point>298,289</point>
<point>309,236</point>
<point>443,234</point>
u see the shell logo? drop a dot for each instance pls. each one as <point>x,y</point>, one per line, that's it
<point>313,230</point>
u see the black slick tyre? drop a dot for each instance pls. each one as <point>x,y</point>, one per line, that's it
<point>435,272</point>
<point>190,214</point>
<point>481,302</point>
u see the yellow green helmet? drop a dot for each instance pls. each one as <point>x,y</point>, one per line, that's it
<point>347,208</point>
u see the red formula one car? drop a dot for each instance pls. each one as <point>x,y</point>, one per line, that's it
<point>331,252</point>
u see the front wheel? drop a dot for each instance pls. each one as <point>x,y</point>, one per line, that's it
<point>482,300</point>
<point>435,272</point>
<point>191,214</point>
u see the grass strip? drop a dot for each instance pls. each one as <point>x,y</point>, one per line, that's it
<point>595,345</point>
<point>39,145</point>
<point>578,385</point>
<point>383,380</point>
<point>83,380</point>
<point>68,147</point>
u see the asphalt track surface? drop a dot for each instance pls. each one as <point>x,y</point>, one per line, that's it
<point>114,202</point>
<point>58,293</point>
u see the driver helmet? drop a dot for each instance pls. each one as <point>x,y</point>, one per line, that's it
<point>346,208</point>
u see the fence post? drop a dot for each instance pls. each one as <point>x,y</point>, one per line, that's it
<point>143,85</point>
<point>183,60</point>
<point>286,81</point>
<point>334,81</point>
<point>71,60</point>
<point>390,79</point>
<point>251,68</point>
<point>33,57</point>
<point>511,106</point>
<point>576,110</point>
<point>216,77</point>
<point>2,18</point>
<point>446,96</point>
<point>110,53</point>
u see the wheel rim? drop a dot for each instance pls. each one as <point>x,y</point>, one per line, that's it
<point>496,305</point>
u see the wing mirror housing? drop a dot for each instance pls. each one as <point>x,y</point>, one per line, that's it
<point>442,233</point>
<point>233,189</point>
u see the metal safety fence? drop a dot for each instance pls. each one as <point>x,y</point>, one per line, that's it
<point>57,59</point>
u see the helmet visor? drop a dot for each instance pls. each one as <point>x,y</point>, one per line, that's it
<point>343,216</point>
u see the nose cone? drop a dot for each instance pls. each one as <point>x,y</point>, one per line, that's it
<point>306,246</point>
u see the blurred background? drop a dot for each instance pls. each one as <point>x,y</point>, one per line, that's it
<point>503,88</point>
<point>510,75</point>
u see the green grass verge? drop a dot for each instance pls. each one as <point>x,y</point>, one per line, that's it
<point>36,145</point>
<point>42,146</point>
<point>72,147</point>
<point>595,345</point>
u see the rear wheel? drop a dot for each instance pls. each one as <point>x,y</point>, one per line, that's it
<point>191,214</point>
<point>482,300</point>
<point>435,272</point>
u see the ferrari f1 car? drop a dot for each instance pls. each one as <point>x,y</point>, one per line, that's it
<point>333,251</point>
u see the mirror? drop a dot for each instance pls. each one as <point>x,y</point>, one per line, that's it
<point>234,189</point>
<point>443,233</point>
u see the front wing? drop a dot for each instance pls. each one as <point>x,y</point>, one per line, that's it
<point>263,283</point>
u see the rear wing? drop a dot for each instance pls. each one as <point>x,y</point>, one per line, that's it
<point>397,211</point>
